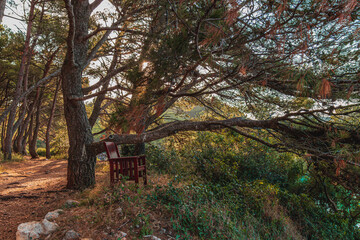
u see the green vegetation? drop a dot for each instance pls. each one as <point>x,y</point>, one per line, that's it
<point>232,188</point>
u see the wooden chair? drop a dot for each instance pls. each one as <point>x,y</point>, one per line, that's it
<point>132,167</point>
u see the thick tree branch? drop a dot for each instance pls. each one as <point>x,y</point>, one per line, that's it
<point>105,79</point>
<point>95,4</point>
<point>99,93</point>
<point>182,126</point>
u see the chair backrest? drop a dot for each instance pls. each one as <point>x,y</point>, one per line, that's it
<point>111,150</point>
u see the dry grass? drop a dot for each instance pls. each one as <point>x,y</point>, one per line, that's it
<point>276,212</point>
<point>97,216</point>
<point>2,168</point>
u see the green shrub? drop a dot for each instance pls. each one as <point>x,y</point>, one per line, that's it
<point>248,210</point>
<point>195,212</point>
<point>261,193</point>
<point>15,157</point>
<point>60,156</point>
<point>41,152</point>
<point>168,161</point>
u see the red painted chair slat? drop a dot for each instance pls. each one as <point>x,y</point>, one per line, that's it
<point>132,167</point>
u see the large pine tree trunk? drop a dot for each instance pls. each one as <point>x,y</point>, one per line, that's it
<point>81,163</point>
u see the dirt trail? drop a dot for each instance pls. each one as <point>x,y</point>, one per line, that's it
<point>28,190</point>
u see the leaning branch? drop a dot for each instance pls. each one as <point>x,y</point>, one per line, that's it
<point>21,97</point>
<point>276,124</point>
<point>182,126</point>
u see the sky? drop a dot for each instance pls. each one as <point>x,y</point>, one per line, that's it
<point>14,12</point>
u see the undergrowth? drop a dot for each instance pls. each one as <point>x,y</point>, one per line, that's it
<point>15,157</point>
<point>237,189</point>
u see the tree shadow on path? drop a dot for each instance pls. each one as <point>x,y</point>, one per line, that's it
<point>28,190</point>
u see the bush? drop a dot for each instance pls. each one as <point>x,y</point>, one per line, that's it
<point>250,210</point>
<point>168,161</point>
<point>41,152</point>
<point>261,194</point>
<point>15,157</point>
<point>196,213</point>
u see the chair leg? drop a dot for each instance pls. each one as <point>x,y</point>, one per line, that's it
<point>117,170</point>
<point>136,171</point>
<point>121,169</point>
<point>111,172</point>
<point>145,176</point>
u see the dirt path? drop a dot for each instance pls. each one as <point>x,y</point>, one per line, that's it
<point>28,190</point>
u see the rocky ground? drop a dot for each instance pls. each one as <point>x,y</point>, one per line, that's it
<point>28,190</point>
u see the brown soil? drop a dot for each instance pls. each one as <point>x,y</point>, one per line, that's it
<point>32,188</point>
<point>28,190</point>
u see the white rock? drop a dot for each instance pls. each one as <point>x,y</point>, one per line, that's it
<point>152,237</point>
<point>29,230</point>
<point>119,211</point>
<point>71,203</point>
<point>49,227</point>
<point>50,216</point>
<point>71,235</point>
<point>120,235</point>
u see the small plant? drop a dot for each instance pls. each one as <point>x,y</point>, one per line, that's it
<point>60,156</point>
<point>15,157</point>
<point>41,152</point>
<point>2,168</point>
<point>142,222</point>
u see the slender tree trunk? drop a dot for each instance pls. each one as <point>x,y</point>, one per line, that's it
<point>2,9</point>
<point>27,135</point>
<point>3,131</point>
<point>20,141</point>
<point>24,59</point>
<point>32,143</point>
<point>19,125</point>
<point>30,130</point>
<point>48,127</point>
<point>81,163</point>
<point>21,133</point>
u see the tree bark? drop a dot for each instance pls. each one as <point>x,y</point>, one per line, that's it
<point>3,131</point>
<point>2,9</point>
<point>48,127</point>
<point>81,162</point>
<point>19,141</point>
<point>28,134</point>
<point>32,143</point>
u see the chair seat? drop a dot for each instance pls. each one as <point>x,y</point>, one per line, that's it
<point>131,167</point>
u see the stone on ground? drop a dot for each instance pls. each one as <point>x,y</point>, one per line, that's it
<point>71,235</point>
<point>120,235</point>
<point>33,230</point>
<point>71,203</point>
<point>152,237</point>
<point>50,216</point>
